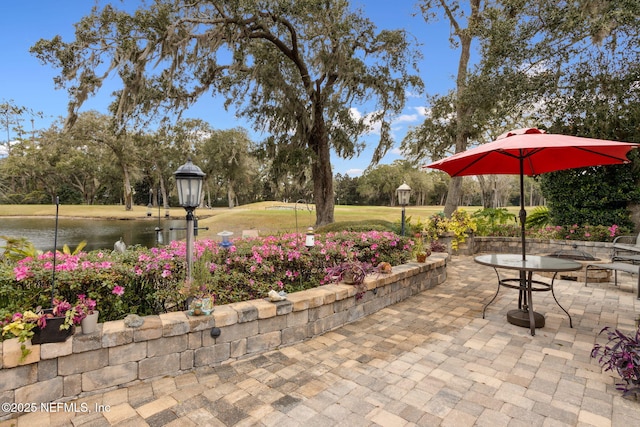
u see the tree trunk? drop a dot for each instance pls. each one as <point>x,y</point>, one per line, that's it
<point>487,192</point>
<point>128,194</point>
<point>231,195</point>
<point>453,196</point>
<point>463,109</point>
<point>163,191</point>
<point>321,170</point>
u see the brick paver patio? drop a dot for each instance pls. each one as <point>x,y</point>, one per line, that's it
<point>430,360</point>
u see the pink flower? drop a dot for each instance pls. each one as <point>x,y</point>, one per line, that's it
<point>118,290</point>
<point>22,272</point>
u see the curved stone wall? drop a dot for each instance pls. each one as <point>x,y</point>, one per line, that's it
<point>602,250</point>
<point>173,343</point>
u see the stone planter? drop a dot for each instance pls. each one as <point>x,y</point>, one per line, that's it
<point>447,239</point>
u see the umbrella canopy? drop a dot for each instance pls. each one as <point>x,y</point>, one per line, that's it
<point>534,152</point>
<point>531,152</point>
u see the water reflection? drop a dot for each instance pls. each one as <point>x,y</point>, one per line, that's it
<point>99,233</point>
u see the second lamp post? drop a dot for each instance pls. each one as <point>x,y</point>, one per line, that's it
<point>403,192</point>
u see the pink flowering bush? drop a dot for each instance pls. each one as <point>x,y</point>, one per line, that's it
<point>151,281</point>
<point>595,233</point>
<point>252,267</point>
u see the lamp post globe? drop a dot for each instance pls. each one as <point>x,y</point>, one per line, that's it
<point>189,178</point>
<point>403,192</point>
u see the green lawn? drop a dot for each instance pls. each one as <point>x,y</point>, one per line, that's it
<point>267,217</point>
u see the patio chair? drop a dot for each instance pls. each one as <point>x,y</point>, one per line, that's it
<point>615,266</point>
<point>626,248</point>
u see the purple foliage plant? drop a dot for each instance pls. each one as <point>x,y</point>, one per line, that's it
<point>622,355</point>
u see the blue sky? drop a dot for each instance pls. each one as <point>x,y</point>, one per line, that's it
<point>25,82</point>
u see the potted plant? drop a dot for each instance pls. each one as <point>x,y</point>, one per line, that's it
<point>86,310</point>
<point>203,305</point>
<point>352,272</point>
<point>621,354</point>
<point>56,324</point>
<point>419,250</point>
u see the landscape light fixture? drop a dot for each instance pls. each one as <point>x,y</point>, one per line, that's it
<point>189,178</point>
<point>310,239</point>
<point>226,243</point>
<point>403,192</point>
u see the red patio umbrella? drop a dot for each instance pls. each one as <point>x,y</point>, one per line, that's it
<point>531,152</point>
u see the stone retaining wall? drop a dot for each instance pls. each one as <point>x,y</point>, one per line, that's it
<point>172,343</point>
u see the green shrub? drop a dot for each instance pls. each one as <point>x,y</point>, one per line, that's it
<point>597,196</point>
<point>491,221</point>
<point>461,224</point>
<point>359,226</point>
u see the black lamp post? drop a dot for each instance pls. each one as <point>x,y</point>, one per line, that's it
<point>403,192</point>
<point>189,179</point>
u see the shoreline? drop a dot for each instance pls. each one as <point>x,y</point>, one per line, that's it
<point>110,218</point>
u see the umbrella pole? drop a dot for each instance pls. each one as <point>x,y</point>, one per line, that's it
<point>523,212</point>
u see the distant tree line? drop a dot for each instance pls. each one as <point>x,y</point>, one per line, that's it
<point>92,163</point>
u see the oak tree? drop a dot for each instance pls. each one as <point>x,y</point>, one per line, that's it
<point>295,68</point>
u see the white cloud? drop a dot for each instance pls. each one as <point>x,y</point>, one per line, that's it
<point>406,118</point>
<point>355,113</point>
<point>423,111</point>
<point>4,149</point>
<point>354,172</point>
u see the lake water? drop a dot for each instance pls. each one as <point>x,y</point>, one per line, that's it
<point>99,233</point>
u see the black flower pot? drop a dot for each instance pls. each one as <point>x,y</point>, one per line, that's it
<point>51,332</point>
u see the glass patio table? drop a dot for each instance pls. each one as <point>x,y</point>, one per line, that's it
<point>524,315</point>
